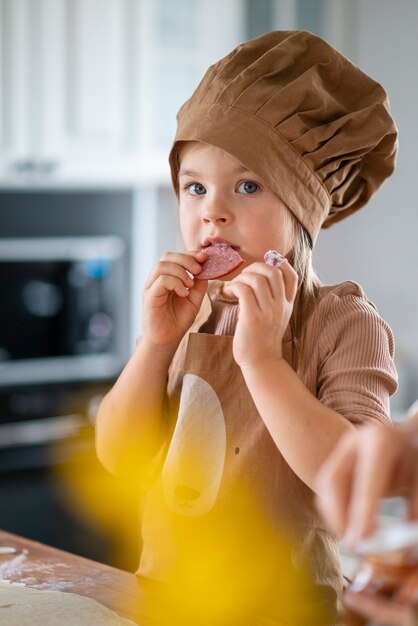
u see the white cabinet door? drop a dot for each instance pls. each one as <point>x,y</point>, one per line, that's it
<point>64,84</point>
<point>86,87</point>
<point>90,88</point>
<point>65,88</point>
<point>14,85</point>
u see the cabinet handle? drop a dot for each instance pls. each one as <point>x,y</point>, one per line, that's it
<point>24,166</point>
<point>47,166</point>
<point>43,167</point>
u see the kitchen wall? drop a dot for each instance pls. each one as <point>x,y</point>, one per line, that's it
<point>378,246</point>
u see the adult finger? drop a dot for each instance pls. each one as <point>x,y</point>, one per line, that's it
<point>376,465</point>
<point>334,483</point>
<point>379,608</point>
<point>412,482</point>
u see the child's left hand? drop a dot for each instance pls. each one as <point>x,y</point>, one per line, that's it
<point>266,295</point>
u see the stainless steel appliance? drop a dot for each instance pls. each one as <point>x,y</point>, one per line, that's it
<point>65,333</point>
<point>59,309</point>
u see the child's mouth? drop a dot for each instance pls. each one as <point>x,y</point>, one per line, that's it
<point>218,242</point>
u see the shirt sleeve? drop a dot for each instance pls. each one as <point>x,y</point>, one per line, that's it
<point>357,374</point>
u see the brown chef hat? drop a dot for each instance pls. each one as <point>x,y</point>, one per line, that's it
<point>314,127</point>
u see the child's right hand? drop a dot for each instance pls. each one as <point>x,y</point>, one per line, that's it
<point>171,298</point>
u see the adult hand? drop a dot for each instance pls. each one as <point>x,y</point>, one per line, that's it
<point>367,465</point>
<point>377,608</point>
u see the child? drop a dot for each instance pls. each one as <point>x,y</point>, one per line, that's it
<point>238,390</point>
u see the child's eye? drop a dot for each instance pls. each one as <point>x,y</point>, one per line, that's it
<point>196,189</point>
<point>247,186</point>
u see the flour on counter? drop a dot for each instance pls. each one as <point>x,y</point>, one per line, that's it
<point>24,606</point>
<point>13,566</point>
<point>16,567</point>
<point>7,550</point>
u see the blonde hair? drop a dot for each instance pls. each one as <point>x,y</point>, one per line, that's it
<point>307,294</point>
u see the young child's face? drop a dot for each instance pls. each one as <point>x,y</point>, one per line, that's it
<point>220,201</point>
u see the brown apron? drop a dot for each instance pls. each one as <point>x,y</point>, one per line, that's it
<point>227,520</point>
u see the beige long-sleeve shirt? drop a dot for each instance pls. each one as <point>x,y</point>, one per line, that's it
<point>349,350</point>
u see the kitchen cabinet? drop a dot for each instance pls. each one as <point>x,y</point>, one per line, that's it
<point>89,90</point>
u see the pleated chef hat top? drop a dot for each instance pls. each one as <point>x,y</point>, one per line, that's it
<point>315,128</point>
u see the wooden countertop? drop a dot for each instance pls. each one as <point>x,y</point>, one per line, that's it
<point>145,602</point>
<point>42,567</point>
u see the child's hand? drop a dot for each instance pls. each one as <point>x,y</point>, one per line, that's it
<point>266,295</point>
<point>171,298</point>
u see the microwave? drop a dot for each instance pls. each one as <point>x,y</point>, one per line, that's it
<point>61,309</point>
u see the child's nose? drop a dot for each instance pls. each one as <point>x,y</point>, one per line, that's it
<point>216,213</point>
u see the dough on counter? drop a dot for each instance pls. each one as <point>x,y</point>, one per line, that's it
<point>25,606</point>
